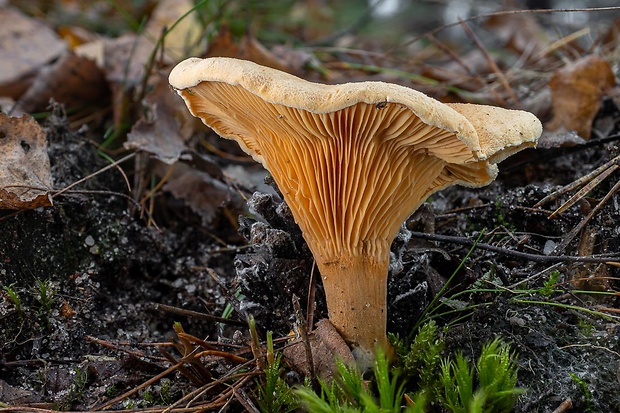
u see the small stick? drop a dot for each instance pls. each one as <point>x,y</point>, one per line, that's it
<point>564,406</point>
<point>199,315</point>
<point>573,233</point>
<point>303,332</point>
<point>516,254</point>
<point>577,183</point>
<point>500,13</point>
<point>311,296</point>
<point>583,191</point>
<point>492,64</point>
<point>105,168</point>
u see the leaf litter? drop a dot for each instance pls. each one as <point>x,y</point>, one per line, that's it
<point>25,169</point>
<point>161,226</point>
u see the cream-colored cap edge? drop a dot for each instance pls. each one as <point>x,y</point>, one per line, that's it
<point>282,88</point>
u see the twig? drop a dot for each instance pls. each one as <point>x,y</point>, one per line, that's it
<point>511,253</point>
<point>609,309</point>
<point>197,381</point>
<point>303,332</point>
<point>110,345</point>
<point>615,353</point>
<point>353,28</point>
<point>564,406</point>
<point>101,192</point>
<point>311,294</point>
<point>161,183</point>
<point>199,315</point>
<point>583,191</point>
<point>577,183</point>
<point>491,62</point>
<point>562,42</point>
<point>143,385</point>
<point>502,13</point>
<point>573,233</point>
<point>533,277</point>
<point>79,181</point>
<point>245,400</point>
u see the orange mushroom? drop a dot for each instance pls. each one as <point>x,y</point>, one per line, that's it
<point>352,161</point>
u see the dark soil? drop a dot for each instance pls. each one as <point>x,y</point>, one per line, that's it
<point>89,274</point>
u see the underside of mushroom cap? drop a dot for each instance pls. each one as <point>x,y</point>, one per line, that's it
<point>280,88</point>
<point>353,160</point>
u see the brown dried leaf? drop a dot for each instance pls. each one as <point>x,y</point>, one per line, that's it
<point>201,191</point>
<point>124,61</point>
<point>608,41</point>
<point>520,32</point>
<point>168,127</point>
<point>124,58</point>
<point>184,39</point>
<point>25,46</point>
<point>576,92</point>
<point>16,395</point>
<point>248,48</point>
<point>25,176</point>
<point>591,276</point>
<point>72,81</point>
<point>326,346</point>
<point>76,36</point>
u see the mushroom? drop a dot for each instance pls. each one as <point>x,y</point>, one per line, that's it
<point>352,161</point>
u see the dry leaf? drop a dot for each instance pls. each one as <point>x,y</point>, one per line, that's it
<point>184,39</point>
<point>326,346</point>
<point>76,36</point>
<point>25,46</point>
<point>204,193</point>
<point>72,80</point>
<point>17,396</point>
<point>124,63</point>
<point>168,127</point>
<point>124,59</point>
<point>24,165</point>
<point>66,310</point>
<point>576,92</point>
<point>248,49</point>
<point>520,32</point>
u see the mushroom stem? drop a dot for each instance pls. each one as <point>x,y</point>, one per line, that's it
<point>356,293</point>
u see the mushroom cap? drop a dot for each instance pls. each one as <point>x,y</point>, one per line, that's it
<point>281,88</point>
<point>352,160</point>
<point>501,132</point>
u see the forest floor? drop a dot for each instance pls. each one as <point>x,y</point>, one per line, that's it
<point>141,250</point>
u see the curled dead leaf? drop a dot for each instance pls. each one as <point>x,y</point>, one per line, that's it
<point>185,38</point>
<point>520,32</point>
<point>576,92</point>
<point>166,130</point>
<point>326,346</point>
<point>204,193</point>
<point>72,80</point>
<point>248,48</point>
<point>25,177</point>
<point>27,45</point>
